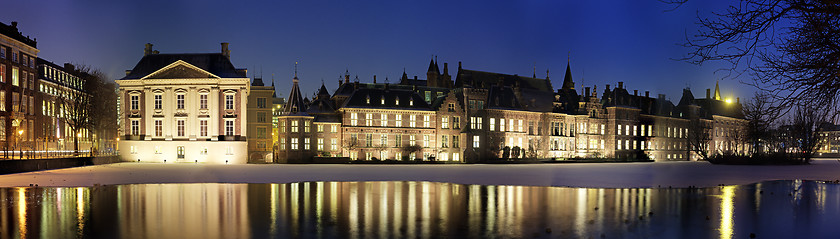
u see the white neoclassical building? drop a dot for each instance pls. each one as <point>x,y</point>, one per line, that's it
<point>184,108</point>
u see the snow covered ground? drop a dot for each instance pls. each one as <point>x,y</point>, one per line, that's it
<point>606,175</point>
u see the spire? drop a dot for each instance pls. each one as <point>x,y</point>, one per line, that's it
<point>295,103</point>
<point>535,70</point>
<point>437,68</point>
<point>273,90</point>
<point>296,70</point>
<point>717,91</point>
<point>567,80</point>
<point>431,65</point>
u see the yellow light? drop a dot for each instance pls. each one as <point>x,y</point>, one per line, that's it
<point>728,101</point>
<point>20,132</point>
<point>79,135</point>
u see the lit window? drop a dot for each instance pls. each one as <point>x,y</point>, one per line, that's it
<point>354,117</point>
<point>412,120</point>
<point>294,144</point>
<point>425,141</point>
<point>203,128</point>
<point>203,101</point>
<point>229,101</point>
<point>476,142</point>
<point>320,144</point>
<point>306,127</point>
<point>158,101</point>
<point>181,126</point>
<point>158,128</point>
<point>294,126</point>
<point>179,101</point>
<point>398,120</point>
<point>426,121</point>
<point>333,128</point>
<point>492,124</point>
<point>444,122</point>
<point>135,127</point>
<point>229,127</point>
<point>333,144</point>
<point>305,143</point>
<point>383,119</point>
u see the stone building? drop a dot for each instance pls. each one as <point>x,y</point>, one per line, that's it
<point>18,89</point>
<point>59,85</point>
<point>184,108</point>
<point>260,104</point>
<point>484,115</point>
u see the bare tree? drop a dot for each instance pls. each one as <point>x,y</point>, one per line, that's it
<point>700,136</point>
<point>350,144</point>
<point>535,148</point>
<point>103,110</point>
<point>760,114</point>
<point>409,149</point>
<point>806,121</point>
<point>788,47</point>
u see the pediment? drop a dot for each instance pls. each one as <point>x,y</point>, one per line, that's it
<point>180,70</point>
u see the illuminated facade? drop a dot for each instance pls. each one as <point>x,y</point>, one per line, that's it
<point>18,55</point>
<point>484,115</point>
<point>260,105</point>
<point>58,85</point>
<point>184,108</point>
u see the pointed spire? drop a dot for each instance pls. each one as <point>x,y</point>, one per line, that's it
<point>295,102</point>
<point>273,90</point>
<point>535,70</point>
<point>717,91</point>
<point>431,65</point>
<point>567,80</point>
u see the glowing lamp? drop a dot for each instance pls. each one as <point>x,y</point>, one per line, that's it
<point>728,101</point>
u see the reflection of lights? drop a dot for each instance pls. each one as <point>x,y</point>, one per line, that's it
<point>727,212</point>
<point>21,212</point>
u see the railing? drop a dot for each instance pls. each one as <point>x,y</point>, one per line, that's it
<point>49,154</point>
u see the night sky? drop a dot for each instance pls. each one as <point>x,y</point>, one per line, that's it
<point>609,41</point>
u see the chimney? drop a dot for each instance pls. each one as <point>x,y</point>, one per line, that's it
<point>708,93</point>
<point>647,94</point>
<point>446,68</point>
<point>620,85</point>
<point>415,78</point>
<point>661,96</point>
<point>636,92</point>
<point>148,50</point>
<point>738,100</point>
<point>608,86</point>
<point>69,67</point>
<point>225,50</point>
<point>586,90</point>
<point>459,66</point>
<point>14,24</point>
<point>374,79</point>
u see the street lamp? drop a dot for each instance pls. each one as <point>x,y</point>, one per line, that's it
<point>20,138</point>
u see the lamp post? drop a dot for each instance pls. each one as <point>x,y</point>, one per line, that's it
<point>78,135</point>
<point>20,147</point>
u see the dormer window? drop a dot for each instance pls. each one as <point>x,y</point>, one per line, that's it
<point>411,102</point>
<point>294,109</point>
<point>367,99</point>
<point>382,100</point>
<point>397,101</point>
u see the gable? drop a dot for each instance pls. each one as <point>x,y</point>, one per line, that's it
<point>180,70</point>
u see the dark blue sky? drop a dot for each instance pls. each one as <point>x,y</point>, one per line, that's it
<point>609,41</point>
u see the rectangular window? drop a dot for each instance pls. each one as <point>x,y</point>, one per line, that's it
<point>444,122</point>
<point>181,127</point>
<point>261,103</point>
<point>456,141</point>
<point>158,128</point>
<point>368,119</point>
<point>398,156</point>
<point>294,145</point>
<point>135,127</point>
<point>635,132</point>
<point>425,141</point>
<point>261,132</point>
<point>475,122</point>
<point>531,127</point>
<point>333,144</point>
<point>368,140</point>
<point>294,126</point>
<point>3,100</point>
<point>426,121</point>
<point>229,101</point>
<point>398,141</point>
<point>158,101</point>
<point>282,143</point>
<point>411,140</point>
<point>15,79</point>
<point>383,120</point>
<point>501,124</point>
<point>520,126</point>
<point>229,127</point>
<point>412,119</point>
<point>202,101</point>
<point>261,117</point>
<point>492,124</point>
<point>456,122</point>
<point>333,128</point>
<point>398,120</point>
<point>450,107</point>
<point>354,117</point>
<point>2,73</point>
<point>203,128</point>
<point>444,143</point>
<point>15,102</point>
<point>135,102</point>
<point>320,144</point>
<point>306,126</point>
<point>305,143</point>
<point>476,141</point>
<point>319,128</point>
<point>383,140</point>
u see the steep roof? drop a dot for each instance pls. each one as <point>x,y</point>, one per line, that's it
<point>295,105</point>
<point>482,79</point>
<point>568,83</point>
<point>215,63</point>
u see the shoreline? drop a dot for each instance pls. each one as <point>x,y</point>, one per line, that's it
<point>602,175</point>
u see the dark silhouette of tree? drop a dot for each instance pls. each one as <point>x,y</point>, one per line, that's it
<point>700,136</point>
<point>789,48</point>
<point>102,108</point>
<point>760,114</point>
<point>804,130</point>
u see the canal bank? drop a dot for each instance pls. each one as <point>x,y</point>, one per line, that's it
<point>29,165</point>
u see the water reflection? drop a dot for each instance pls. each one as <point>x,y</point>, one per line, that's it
<point>418,209</point>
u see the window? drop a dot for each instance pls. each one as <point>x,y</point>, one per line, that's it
<point>3,100</point>
<point>158,101</point>
<point>294,126</point>
<point>228,101</point>
<point>476,141</point>
<point>456,157</point>
<point>510,125</point>
<point>282,126</point>
<point>411,140</point>
<point>333,144</point>
<point>2,73</point>
<point>203,128</point>
<point>412,119</point>
<point>158,128</point>
<point>135,127</point>
<point>425,141</point>
<point>426,121</point>
<point>397,101</point>
<point>202,101</point>
<point>320,144</point>
<point>135,102</point>
<point>229,127</point>
<point>294,144</point>
<point>368,119</point>
<point>282,143</point>
<point>444,122</point>
<point>635,133</point>
<point>305,143</point>
<point>492,124</point>
<point>179,101</point>
<point>501,124</point>
<point>428,96</point>
<point>398,141</point>
<point>444,142</point>
<point>15,80</point>
<point>450,107</point>
<point>475,122</point>
<point>456,141</point>
<point>383,140</point>
<point>398,156</point>
<point>333,128</point>
<point>520,126</point>
<point>354,117</point>
<point>306,127</point>
<point>456,122</point>
<point>398,120</point>
<point>383,120</point>
<point>319,128</point>
<point>261,117</point>
<point>531,127</point>
<point>181,126</point>
<point>261,103</point>
<point>3,52</point>
<point>157,150</point>
<point>261,132</point>
<point>368,140</point>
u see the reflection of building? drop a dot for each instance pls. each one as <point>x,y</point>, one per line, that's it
<point>259,122</point>
<point>17,87</point>
<point>485,115</point>
<point>184,108</point>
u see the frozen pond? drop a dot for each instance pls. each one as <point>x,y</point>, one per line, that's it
<point>778,209</point>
